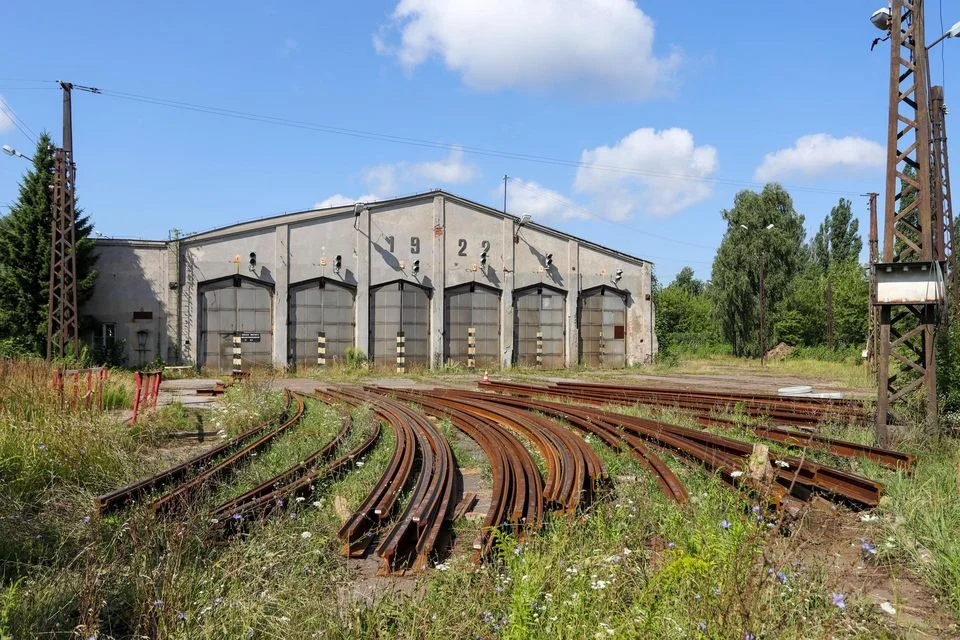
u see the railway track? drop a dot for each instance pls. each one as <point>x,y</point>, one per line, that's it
<point>186,493</point>
<point>516,504</point>
<point>791,411</point>
<point>177,474</point>
<point>504,419</point>
<point>410,541</point>
<point>801,437</point>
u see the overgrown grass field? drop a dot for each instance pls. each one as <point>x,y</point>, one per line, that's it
<point>634,565</point>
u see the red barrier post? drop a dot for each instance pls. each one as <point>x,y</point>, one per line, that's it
<point>138,379</point>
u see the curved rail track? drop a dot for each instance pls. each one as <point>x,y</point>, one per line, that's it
<point>516,504</point>
<point>411,539</point>
<point>185,494</point>
<point>178,473</point>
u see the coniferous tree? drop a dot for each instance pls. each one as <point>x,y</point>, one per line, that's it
<point>25,256</point>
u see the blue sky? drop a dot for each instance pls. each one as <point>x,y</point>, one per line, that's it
<point>670,108</point>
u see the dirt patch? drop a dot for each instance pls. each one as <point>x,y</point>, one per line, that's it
<point>834,538</point>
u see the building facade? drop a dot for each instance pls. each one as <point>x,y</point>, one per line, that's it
<point>447,279</point>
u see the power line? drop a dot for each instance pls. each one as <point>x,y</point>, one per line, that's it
<point>17,121</point>
<point>419,142</point>
<point>590,215</point>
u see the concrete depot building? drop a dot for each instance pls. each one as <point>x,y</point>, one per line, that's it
<point>445,277</point>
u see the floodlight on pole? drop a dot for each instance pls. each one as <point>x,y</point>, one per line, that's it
<point>10,151</point>
<point>952,32</point>
<point>524,219</point>
<point>881,19</point>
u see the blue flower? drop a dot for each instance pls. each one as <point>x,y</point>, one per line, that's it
<point>237,516</point>
<point>702,626</point>
<point>868,548</point>
<point>696,597</point>
<point>749,636</point>
<point>158,603</point>
<point>782,577</point>
<point>181,616</point>
<point>839,600</point>
<point>724,524</point>
<point>756,509</point>
<point>670,545</point>
<point>293,516</point>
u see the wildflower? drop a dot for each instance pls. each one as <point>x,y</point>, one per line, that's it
<point>293,515</point>
<point>487,617</point>
<point>306,535</point>
<point>716,591</point>
<point>181,616</point>
<point>284,619</point>
<point>598,585</point>
<point>782,577</point>
<point>839,600</point>
<point>697,597</point>
<point>360,463</point>
<point>756,508</point>
<point>572,571</point>
<point>626,551</point>
<point>749,636</point>
<point>868,548</point>
<point>517,549</point>
<point>83,452</point>
<point>236,516</point>
<point>615,559</point>
<point>214,521</point>
<point>702,626</point>
<point>442,566</point>
<point>736,474</point>
<point>670,545</point>
<point>86,519</point>
<point>317,504</point>
<point>725,524</point>
<point>782,464</point>
<point>300,498</point>
<point>158,603</point>
<point>218,600</point>
<point>42,446</point>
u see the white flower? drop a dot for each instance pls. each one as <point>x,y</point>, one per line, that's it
<point>360,463</point>
<point>317,503</point>
<point>597,585</point>
<point>214,521</point>
<point>284,619</point>
<point>443,566</point>
<point>572,571</point>
<point>782,463</point>
<point>736,474</point>
<point>868,517</point>
<point>626,551</point>
<point>300,498</point>
<point>886,607</point>
<point>306,534</point>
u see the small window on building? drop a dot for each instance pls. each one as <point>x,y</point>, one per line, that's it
<point>108,334</point>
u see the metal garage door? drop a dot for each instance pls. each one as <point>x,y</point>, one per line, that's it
<point>603,320</point>
<point>539,310</point>
<point>320,307</point>
<point>230,306</point>
<point>472,307</point>
<point>394,308</point>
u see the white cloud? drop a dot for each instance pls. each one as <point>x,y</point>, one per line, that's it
<point>389,178</point>
<point>6,123</point>
<point>543,204</point>
<point>592,47</point>
<point>820,154</point>
<point>648,171</point>
<point>338,200</point>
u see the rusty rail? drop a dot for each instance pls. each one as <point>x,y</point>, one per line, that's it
<point>410,541</point>
<point>272,485</point>
<point>796,437</point>
<point>177,473</point>
<point>231,517</point>
<point>185,494</point>
<point>516,504</point>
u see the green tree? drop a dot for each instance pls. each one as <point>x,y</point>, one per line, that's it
<point>25,256</point>
<point>837,242</point>
<point>685,315</point>
<point>735,280</point>
<point>851,300</point>
<point>799,315</point>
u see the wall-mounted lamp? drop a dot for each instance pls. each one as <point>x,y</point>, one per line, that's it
<point>142,339</point>
<point>524,219</point>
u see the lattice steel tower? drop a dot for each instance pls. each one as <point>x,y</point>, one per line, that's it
<point>907,283</point>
